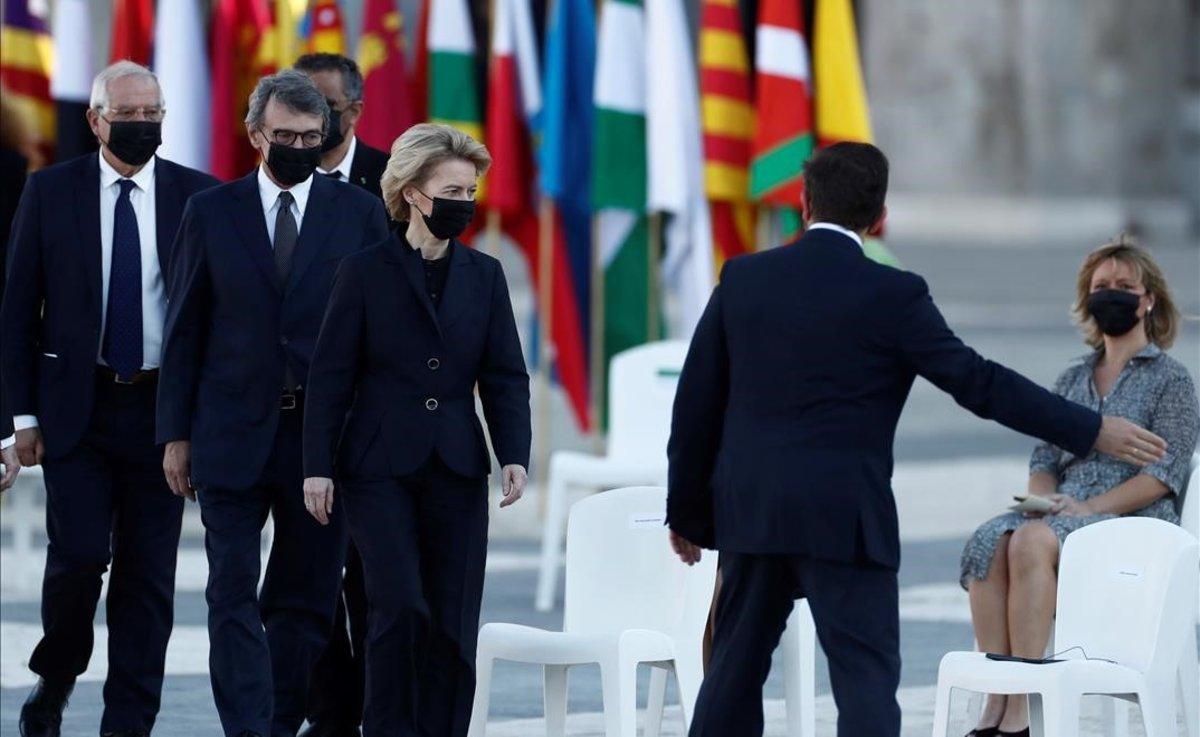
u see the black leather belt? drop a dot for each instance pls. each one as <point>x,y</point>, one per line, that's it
<point>141,377</point>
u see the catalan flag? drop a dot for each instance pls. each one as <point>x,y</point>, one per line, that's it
<point>26,60</point>
<point>322,28</point>
<point>783,138</point>
<point>728,125</point>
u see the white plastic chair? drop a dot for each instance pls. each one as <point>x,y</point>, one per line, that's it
<point>1126,593</point>
<point>25,518</point>
<point>628,601</point>
<point>641,393</point>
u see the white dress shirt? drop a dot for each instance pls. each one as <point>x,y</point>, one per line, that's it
<point>343,166</point>
<point>269,192</point>
<point>154,296</point>
<point>838,229</point>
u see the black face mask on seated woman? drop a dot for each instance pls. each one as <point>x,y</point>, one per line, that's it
<point>1114,310</point>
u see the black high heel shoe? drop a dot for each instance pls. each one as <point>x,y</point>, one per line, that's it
<point>983,732</point>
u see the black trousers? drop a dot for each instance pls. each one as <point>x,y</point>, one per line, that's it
<point>262,648</point>
<point>335,695</point>
<point>423,542</point>
<point>856,611</point>
<point>108,500</point>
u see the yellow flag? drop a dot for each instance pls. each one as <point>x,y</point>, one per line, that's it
<point>841,96</point>
<point>289,44</point>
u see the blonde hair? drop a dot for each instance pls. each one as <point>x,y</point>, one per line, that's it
<point>1162,323</point>
<point>420,150</point>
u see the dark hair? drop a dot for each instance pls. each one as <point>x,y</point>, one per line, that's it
<point>352,79</point>
<point>846,184</point>
<point>293,90</point>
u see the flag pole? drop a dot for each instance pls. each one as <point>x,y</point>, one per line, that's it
<point>545,305</point>
<point>597,342</point>
<point>653,250</point>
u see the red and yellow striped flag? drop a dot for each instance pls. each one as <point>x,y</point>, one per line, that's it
<point>728,124</point>
<point>26,58</point>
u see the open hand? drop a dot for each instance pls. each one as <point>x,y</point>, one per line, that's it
<point>1128,442</point>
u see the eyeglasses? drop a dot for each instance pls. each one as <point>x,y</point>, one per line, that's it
<point>125,115</point>
<point>284,137</point>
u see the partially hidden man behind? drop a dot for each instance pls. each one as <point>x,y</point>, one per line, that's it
<point>254,266</point>
<point>83,318</point>
<point>781,446</point>
<point>335,704</point>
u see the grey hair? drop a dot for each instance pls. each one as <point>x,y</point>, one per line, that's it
<point>291,89</point>
<point>113,72</point>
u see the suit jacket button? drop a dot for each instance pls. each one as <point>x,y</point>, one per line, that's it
<point>431,404</point>
<point>433,364</point>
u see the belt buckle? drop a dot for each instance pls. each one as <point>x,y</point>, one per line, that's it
<point>287,401</point>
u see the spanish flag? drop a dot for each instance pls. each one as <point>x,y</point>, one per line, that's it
<point>26,60</point>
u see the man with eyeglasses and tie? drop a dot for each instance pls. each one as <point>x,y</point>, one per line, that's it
<point>247,290</point>
<point>335,704</point>
<point>82,325</point>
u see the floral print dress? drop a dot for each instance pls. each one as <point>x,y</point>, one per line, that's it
<point>1153,390</point>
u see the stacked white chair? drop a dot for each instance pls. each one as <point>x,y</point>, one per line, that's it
<point>629,601</point>
<point>641,394</point>
<point>1126,596</point>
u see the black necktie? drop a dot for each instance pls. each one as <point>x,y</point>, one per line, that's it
<point>123,324</point>
<point>333,174</point>
<point>285,236</point>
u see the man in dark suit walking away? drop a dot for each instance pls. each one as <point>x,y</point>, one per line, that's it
<point>781,446</point>
<point>82,335</point>
<point>335,703</point>
<point>253,270</point>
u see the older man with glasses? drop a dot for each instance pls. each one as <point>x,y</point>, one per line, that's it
<point>82,336</point>
<point>248,288</point>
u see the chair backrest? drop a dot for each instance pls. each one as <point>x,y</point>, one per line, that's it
<point>641,394</point>
<point>1189,512</point>
<point>622,573</point>
<point>1126,592</point>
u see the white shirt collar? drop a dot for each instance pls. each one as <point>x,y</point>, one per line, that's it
<point>269,191</point>
<point>344,165</point>
<point>838,229</point>
<point>109,176</point>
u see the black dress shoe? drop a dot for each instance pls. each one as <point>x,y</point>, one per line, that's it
<point>324,729</point>
<point>983,732</point>
<point>41,716</point>
<point>126,733</point>
<point>1019,733</point>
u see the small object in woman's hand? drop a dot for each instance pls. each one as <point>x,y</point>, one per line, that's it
<point>1033,504</point>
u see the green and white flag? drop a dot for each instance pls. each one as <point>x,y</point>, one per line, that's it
<point>619,175</point>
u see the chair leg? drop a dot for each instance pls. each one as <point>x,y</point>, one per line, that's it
<point>483,694</point>
<point>1158,711</point>
<point>1037,717</point>
<point>555,698</point>
<point>1114,718</point>
<point>552,539</point>
<point>1060,714</point>
<point>656,701</point>
<point>799,675</point>
<point>1189,683</point>
<point>618,679</point>
<point>941,709</point>
<point>689,674</point>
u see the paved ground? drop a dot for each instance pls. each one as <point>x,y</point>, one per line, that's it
<point>1010,303</point>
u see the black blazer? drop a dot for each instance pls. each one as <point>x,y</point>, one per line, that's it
<point>366,170</point>
<point>781,439</point>
<point>13,167</point>
<point>52,311</point>
<point>231,326</point>
<point>406,372</point>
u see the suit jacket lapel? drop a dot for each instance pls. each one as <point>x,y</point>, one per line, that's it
<point>459,283</point>
<point>251,224</point>
<point>320,215</point>
<point>87,191</point>
<point>168,208</point>
<point>409,262</point>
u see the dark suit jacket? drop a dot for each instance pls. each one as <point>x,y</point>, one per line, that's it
<point>52,311</point>
<point>385,353</point>
<point>13,167</point>
<point>366,170</point>
<point>231,326</point>
<point>781,440</point>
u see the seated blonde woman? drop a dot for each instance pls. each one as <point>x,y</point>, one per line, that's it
<point>1010,564</point>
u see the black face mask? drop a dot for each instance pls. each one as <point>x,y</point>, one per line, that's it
<point>336,136</point>
<point>292,165</point>
<point>1114,310</point>
<point>448,218</point>
<point>134,141</point>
